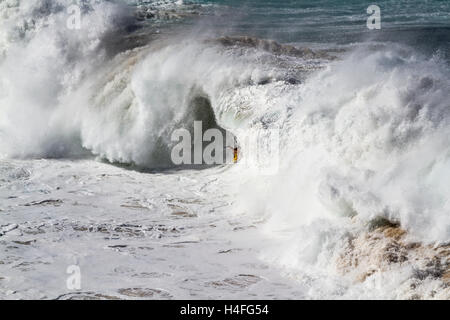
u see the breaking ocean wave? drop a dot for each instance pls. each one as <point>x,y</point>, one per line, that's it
<point>359,206</point>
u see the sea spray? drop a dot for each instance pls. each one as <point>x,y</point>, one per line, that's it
<point>369,138</point>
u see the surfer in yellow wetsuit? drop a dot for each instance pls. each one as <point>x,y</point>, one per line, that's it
<point>235,154</point>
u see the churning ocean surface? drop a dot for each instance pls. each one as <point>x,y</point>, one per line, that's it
<point>424,24</point>
<point>358,207</point>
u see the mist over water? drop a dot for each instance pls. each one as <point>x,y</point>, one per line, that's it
<point>364,116</point>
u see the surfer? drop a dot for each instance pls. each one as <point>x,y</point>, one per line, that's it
<point>235,153</point>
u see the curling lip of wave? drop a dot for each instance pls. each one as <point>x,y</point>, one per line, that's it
<point>366,135</point>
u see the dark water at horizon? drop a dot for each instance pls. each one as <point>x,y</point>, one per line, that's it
<point>424,25</point>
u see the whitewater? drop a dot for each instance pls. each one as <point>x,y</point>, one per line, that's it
<point>359,206</point>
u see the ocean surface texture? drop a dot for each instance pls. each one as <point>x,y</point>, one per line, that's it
<point>358,205</point>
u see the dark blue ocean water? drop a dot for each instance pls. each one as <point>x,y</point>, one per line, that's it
<point>421,24</point>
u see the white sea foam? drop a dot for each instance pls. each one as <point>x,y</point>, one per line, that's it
<point>369,136</point>
<point>366,136</point>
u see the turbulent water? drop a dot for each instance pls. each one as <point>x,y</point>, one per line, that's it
<point>86,177</point>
